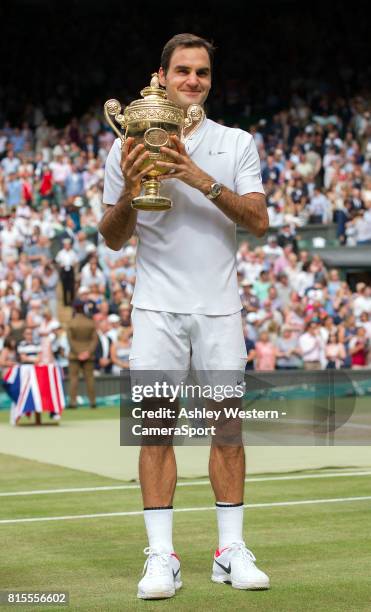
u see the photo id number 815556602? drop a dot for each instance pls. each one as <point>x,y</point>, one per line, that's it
<point>34,597</point>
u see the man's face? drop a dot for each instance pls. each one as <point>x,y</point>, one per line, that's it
<point>188,79</point>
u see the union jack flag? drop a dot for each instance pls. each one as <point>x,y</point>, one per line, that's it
<point>34,389</point>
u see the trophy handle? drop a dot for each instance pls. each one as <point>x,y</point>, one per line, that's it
<point>195,114</point>
<point>113,107</point>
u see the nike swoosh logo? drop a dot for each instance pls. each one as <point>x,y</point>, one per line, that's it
<point>176,573</point>
<point>226,569</point>
<point>217,152</point>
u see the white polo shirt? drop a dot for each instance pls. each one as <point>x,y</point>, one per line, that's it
<point>186,256</point>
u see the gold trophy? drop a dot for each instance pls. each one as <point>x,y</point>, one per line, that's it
<point>151,121</point>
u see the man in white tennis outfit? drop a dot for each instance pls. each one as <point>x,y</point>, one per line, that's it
<point>186,300</point>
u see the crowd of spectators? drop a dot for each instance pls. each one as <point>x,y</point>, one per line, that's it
<point>298,314</point>
<point>315,159</point>
<point>316,166</point>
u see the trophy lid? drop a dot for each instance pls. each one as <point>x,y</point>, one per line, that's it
<point>154,106</point>
<point>154,88</point>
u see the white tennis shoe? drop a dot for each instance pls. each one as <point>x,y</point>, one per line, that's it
<point>161,575</point>
<point>235,565</point>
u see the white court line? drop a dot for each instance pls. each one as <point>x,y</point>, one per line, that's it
<point>200,509</point>
<point>190,483</point>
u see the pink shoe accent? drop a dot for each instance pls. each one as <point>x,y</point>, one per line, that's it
<point>173,554</point>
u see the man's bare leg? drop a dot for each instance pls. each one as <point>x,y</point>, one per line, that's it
<point>157,473</point>
<point>227,456</point>
<point>227,473</point>
<point>227,477</point>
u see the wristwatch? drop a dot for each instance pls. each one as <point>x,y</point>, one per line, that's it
<point>215,191</point>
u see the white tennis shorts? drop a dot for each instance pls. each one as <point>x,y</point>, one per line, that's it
<point>171,341</point>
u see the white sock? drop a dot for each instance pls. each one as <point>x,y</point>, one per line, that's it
<point>230,523</point>
<point>159,526</point>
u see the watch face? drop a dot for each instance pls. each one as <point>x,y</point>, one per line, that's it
<point>216,190</point>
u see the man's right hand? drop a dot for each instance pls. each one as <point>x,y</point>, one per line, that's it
<point>132,159</point>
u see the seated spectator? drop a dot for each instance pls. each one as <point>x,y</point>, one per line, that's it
<point>17,325</point>
<point>261,286</point>
<point>80,247</point>
<point>266,353</point>
<point>319,208</point>
<point>92,275</point>
<point>362,300</point>
<point>96,294</point>
<point>288,352</point>
<point>120,350</point>
<point>29,351</point>
<point>268,315</point>
<point>283,290</point>
<point>334,352</point>
<point>272,250</point>
<point>114,321</point>
<point>271,171</point>
<point>311,347</point>
<point>250,302</point>
<point>304,279</point>
<point>89,305</point>
<point>9,300</point>
<point>8,354</point>
<point>38,250</point>
<point>275,300</point>
<point>103,308</point>
<point>12,282</point>
<point>35,316</point>
<point>362,223</point>
<point>35,292</point>
<point>117,297</point>
<point>358,349</point>
<point>334,283</point>
<point>365,321</point>
<point>304,167</point>
<point>287,235</point>
<point>125,314</point>
<point>10,163</point>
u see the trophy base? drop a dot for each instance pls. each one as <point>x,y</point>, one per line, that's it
<point>151,203</point>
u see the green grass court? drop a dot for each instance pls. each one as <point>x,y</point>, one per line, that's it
<point>318,554</point>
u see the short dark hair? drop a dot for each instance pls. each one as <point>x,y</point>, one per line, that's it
<point>185,40</point>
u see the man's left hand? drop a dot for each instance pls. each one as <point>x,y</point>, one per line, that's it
<point>183,168</point>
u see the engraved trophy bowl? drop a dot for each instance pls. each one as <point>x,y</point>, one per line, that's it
<point>151,121</point>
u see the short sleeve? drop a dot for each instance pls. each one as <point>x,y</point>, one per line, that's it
<point>113,179</point>
<point>248,174</point>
